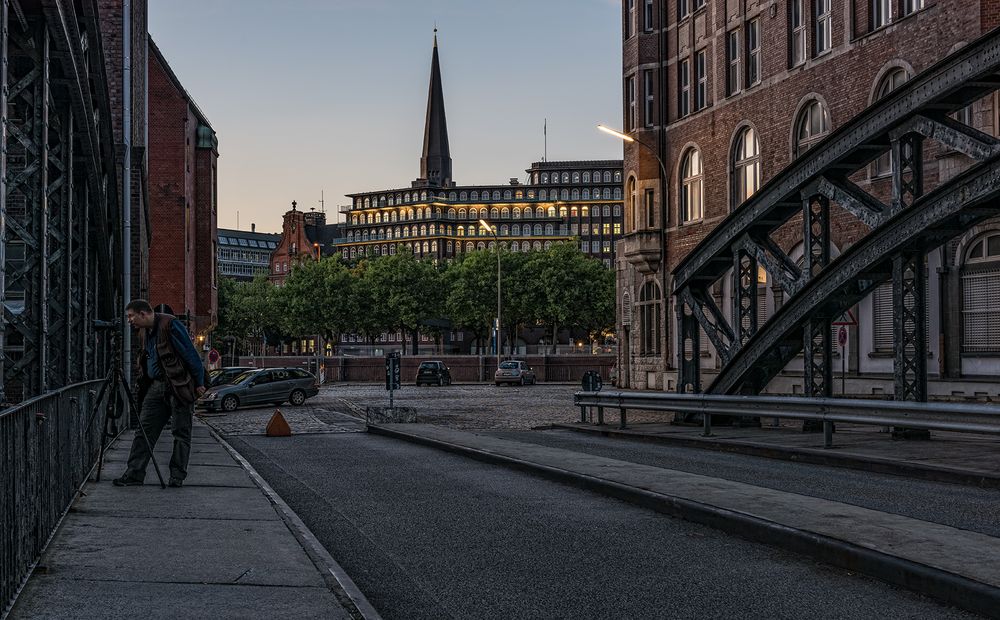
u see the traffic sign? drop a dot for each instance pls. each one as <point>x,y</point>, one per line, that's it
<point>393,375</point>
<point>213,357</point>
<point>847,318</point>
<point>842,336</point>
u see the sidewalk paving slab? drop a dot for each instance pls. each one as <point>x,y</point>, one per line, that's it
<point>959,566</point>
<point>215,547</point>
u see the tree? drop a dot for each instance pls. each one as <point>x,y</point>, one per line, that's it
<point>247,310</point>
<point>404,291</point>
<point>317,299</point>
<point>472,292</point>
<point>574,286</point>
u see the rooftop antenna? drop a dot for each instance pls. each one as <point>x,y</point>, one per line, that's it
<point>322,202</point>
<point>237,219</point>
<point>545,134</point>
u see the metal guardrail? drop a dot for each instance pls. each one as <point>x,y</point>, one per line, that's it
<point>48,446</point>
<point>953,417</point>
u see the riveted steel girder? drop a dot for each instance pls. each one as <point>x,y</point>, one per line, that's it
<point>57,221</point>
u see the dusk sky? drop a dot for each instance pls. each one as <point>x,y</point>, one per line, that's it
<point>330,95</point>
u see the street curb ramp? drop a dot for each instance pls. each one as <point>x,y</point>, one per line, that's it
<point>946,586</point>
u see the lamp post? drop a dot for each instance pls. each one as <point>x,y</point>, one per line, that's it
<point>628,138</point>
<point>318,251</point>
<point>493,231</point>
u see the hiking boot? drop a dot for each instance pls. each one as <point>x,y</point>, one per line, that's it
<point>125,481</point>
<point>175,482</point>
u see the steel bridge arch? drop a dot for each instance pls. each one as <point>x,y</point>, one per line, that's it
<point>901,232</point>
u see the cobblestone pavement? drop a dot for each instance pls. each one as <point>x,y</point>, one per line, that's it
<point>339,408</point>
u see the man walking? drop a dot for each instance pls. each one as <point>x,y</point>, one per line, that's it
<point>172,377</point>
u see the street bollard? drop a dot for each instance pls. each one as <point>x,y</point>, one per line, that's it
<point>706,421</point>
<point>622,425</point>
<point>583,414</point>
<point>600,416</point>
<point>827,434</point>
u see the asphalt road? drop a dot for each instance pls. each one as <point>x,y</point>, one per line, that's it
<point>428,534</point>
<point>964,507</point>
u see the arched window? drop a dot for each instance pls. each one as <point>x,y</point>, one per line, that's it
<point>537,245</point>
<point>565,177</point>
<point>470,246</point>
<point>493,245</point>
<point>564,194</point>
<point>586,176</point>
<point>427,213</point>
<point>473,213</point>
<point>452,196</point>
<point>545,177</point>
<point>889,82</point>
<point>607,210</point>
<point>461,214</point>
<point>692,201</point>
<point>423,196</point>
<point>451,214</point>
<point>423,230</point>
<point>576,177</point>
<point>381,201</point>
<point>517,213</point>
<point>515,246</point>
<point>649,310</point>
<point>617,193</point>
<point>494,213</point>
<point>618,176</point>
<point>504,230</point>
<point>481,245</point>
<point>505,213</point>
<point>586,193</point>
<point>606,193</point>
<point>434,246</point>
<point>392,216</point>
<point>507,195</point>
<point>392,249</point>
<point>367,202</point>
<point>980,283</point>
<point>551,212</point>
<point>746,166</point>
<point>543,195</point>
<point>354,220</point>
<point>496,195</point>
<point>549,230</point>
<point>515,229</point>
<point>607,176</point>
<point>463,196</point>
<point>364,236</point>
<point>573,212</point>
<point>378,252</point>
<point>575,194</point>
<point>474,195</point>
<point>563,211</point>
<point>585,211</point>
<point>406,197</point>
<point>812,125</point>
<point>537,231</point>
<point>433,229</point>
<point>461,231</point>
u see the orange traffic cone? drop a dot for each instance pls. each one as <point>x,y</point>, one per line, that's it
<point>277,426</point>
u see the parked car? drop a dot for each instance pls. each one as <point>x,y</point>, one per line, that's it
<point>221,376</point>
<point>514,371</point>
<point>433,373</point>
<point>263,386</point>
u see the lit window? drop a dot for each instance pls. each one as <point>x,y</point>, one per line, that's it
<point>797,26</point>
<point>692,207</point>
<point>746,166</point>
<point>881,13</point>
<point>812,125</point>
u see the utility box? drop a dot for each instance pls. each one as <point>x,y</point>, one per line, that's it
<point>592,381</point>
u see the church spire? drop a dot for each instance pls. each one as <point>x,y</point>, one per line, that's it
<point>435,161</point>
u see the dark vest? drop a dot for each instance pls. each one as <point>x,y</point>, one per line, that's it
<point>181,384</point>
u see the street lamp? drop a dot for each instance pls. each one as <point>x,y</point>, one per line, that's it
<point>628,138</point>
<point>318,251</point>
<point>493,231</point>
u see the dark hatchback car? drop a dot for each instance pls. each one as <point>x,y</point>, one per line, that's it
<point>259,387</point>
<point>222,376</point>
<point>433,373</point>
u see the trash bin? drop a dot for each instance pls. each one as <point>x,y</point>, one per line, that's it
<point>592,381</point>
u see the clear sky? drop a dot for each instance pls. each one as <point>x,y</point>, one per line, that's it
<point>330,95</point>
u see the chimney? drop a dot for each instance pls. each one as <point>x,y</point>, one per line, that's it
<point>253,227</point>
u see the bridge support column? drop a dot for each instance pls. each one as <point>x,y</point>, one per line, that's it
<point>745,296</point>
<point>909,331</point>
<point>688,350</point>
<point>817,338</point>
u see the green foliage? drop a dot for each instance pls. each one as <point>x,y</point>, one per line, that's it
<point>560,287</point>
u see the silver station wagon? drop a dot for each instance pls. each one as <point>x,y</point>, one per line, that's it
<point>514,372</point>
<point>273,386</point>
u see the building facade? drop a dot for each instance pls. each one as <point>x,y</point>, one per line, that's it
<point>436,218</point>
<point>294,246</point>
<point>243,255</point>
<point>183,151</point>
<point>724,95</point>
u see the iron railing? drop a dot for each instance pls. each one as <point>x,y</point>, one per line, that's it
<point>48,446</point>
<point>954,417</point>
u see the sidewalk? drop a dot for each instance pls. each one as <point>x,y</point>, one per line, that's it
<point>958,458</point>
<point>959,566</point>
<point>216,548</point>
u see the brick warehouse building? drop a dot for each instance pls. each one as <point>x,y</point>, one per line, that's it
<point>435,218</point>
<point>726,94</point>
<point>183,151</point>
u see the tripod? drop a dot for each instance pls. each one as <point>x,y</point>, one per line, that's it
<point>119,393</point>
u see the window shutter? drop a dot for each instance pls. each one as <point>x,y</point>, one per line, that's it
<point>980,314</point>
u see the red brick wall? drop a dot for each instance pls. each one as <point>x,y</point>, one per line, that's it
<point>206,289</point>
<point>293,235</point>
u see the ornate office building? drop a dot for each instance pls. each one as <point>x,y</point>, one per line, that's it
<point>436,218</point>
<point>245,254</point>
<point>726,95</point>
